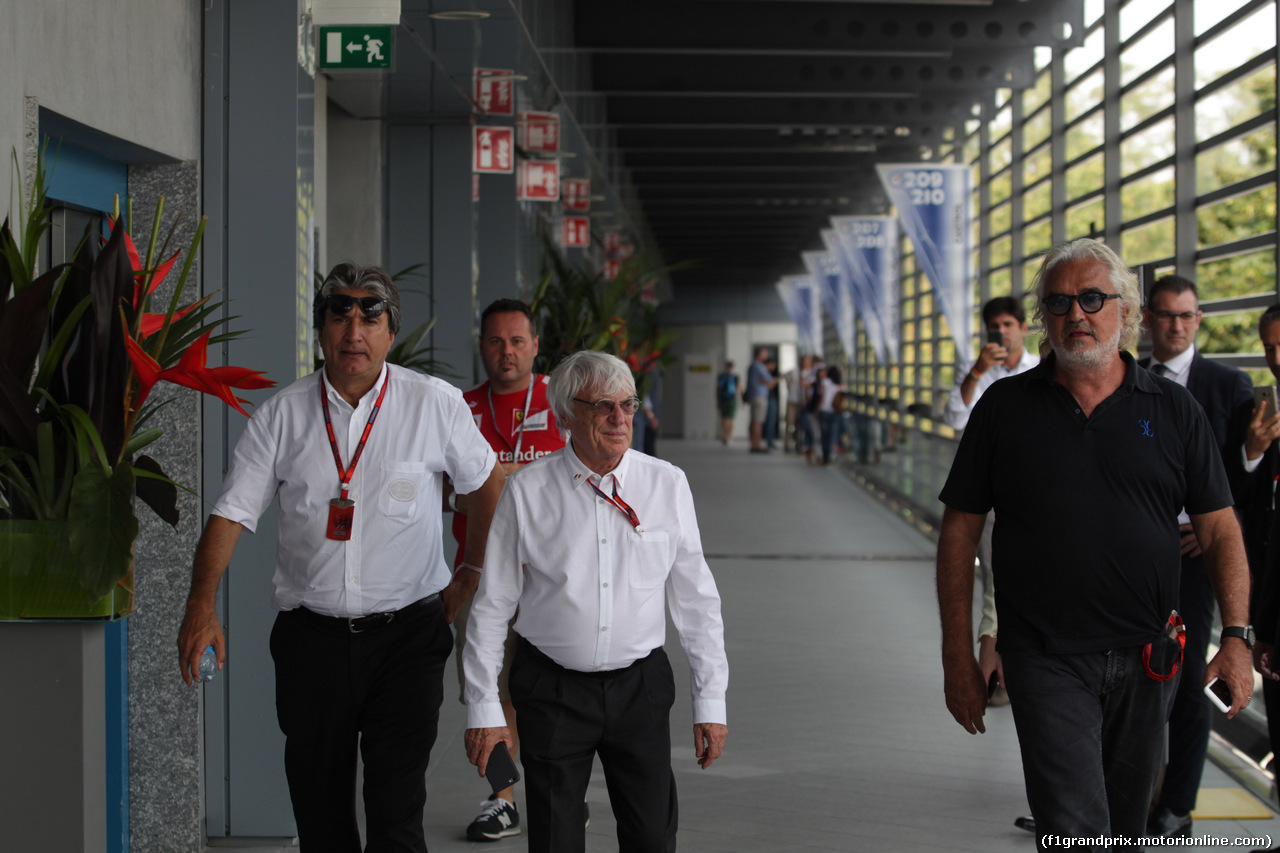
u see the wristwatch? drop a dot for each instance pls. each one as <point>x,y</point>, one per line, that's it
<point>1245,633</point>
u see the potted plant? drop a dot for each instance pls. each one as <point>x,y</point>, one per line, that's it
<point>80,352</point>
<point>582,310</point>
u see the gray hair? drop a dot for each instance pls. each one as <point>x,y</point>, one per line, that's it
<point>1120,276</point>
<point>602,373</point>
<point>373,280</point>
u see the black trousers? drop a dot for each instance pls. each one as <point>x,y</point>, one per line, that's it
<point>1192,715</point>
<point>1091,729</point>
<point>565,719</point>
<point>380,690</point>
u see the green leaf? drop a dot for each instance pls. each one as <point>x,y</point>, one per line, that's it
<point>102,526</point>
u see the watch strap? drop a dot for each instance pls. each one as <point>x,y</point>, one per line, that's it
<point>1242,632</point>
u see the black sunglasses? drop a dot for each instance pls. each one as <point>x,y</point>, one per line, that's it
<point>371,306</point>
<point>1091,302</point>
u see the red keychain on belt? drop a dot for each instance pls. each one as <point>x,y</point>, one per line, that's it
<point>342,510</point>
<point>1176,630</point>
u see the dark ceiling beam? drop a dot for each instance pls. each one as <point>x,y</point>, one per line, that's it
<point>882,27</point>
<point>782,76</point>
<point>713,112</point>
<point>792,138</point>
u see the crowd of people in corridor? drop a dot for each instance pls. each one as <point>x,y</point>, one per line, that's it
<point>1100,573</point>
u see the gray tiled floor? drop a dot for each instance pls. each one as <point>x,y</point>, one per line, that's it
<point>838,736</point>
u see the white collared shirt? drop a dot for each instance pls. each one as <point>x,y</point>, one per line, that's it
<point>591,589</point>
<point>1178,370</point>
<point>395,554</point>
<point>956,414</point>
<point>1179,366</point>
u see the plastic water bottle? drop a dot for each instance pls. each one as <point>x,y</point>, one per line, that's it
<point>208,664</point>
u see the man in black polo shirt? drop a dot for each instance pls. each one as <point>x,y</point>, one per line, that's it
<point>1086,460</point>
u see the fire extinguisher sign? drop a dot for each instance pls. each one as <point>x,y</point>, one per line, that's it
<point>493,150</point>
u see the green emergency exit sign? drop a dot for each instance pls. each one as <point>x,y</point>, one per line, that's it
<point>355,47</point>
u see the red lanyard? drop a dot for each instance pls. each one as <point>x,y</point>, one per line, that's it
<point>1176,630</point>
<point>622,505</point>
<point>344,474</point>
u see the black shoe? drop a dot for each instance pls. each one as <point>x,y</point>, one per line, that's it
<point>1166,823</point>
<point>497,819</point>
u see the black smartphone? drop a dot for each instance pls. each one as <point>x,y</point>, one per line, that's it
<point>992,683</point>
<point>995,336</point>
<point>501,770</point>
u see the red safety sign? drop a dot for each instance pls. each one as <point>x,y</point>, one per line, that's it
<point>575,232</point>
<point>612,239</point>
<point>540,132</point>
<point>494,91</point>
<point>576,195</point>
<point>538,180</point>
<point>493,150</point>
<point>612,266</point>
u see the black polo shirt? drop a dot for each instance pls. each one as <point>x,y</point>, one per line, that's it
<point>1085,549</point>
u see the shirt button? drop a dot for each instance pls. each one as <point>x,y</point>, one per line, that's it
<point>604,540</point>
<point>605,628</point>
<point>606,585</point>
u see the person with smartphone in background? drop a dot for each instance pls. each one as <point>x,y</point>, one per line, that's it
<point>1256,498</point>
<point>1172,318</point>
<point>1002,355</point>
<point>510,407</point>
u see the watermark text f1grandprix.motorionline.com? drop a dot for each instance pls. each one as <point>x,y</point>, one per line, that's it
<point>1108,841</point>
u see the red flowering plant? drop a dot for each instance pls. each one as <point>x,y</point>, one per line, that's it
<point>80,352</point>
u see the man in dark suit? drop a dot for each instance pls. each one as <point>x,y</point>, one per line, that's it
<point>1173,317</point>
<point>1255,495</point>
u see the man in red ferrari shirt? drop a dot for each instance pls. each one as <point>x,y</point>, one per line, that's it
<point>511,410</point>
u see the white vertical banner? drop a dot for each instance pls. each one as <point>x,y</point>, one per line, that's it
<point>933,204</point>
<point>799,294</point>
<point>870,245</point>
<point>835,296</point>
<point>859,292</point>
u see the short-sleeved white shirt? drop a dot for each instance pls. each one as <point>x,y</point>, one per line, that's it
<point>395,554</point>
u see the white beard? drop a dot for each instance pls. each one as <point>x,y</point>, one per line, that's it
<point>1099,356</point>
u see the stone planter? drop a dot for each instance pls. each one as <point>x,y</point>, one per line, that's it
<point>39,579</point>
<point>52,791</point>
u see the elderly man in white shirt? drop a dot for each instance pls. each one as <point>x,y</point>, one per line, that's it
<point>356,454</point>
<point>587,546</point>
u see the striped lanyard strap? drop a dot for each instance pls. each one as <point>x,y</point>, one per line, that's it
<point>345,474</point>
<point>622,506</point>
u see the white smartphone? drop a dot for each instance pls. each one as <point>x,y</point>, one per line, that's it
<point>1219,694</point>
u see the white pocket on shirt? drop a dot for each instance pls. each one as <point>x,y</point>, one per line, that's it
<point>402,489</point>
<point>650,559</point>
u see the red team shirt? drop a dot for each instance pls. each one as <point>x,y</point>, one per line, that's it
<point>541,433</point>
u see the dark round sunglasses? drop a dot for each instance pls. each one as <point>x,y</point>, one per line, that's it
<point>371,306</point>
<point>1091,302</point>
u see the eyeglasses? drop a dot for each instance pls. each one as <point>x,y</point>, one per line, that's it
<point>604,408</point>
<point>1170,316</point>
<point>1091,302</point>
<point>371,306</point>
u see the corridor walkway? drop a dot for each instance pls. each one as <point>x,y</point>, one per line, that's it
<point>838,735</point>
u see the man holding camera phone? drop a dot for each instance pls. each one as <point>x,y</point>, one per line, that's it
<point>1172,316</point>
<point>1256,496</point>
<point>1003,355</point>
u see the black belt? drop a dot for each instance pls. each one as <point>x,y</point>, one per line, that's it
<point>542,657</point>
<point>362,624</point>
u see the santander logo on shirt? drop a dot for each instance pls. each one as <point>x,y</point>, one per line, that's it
<point>524,457</point>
